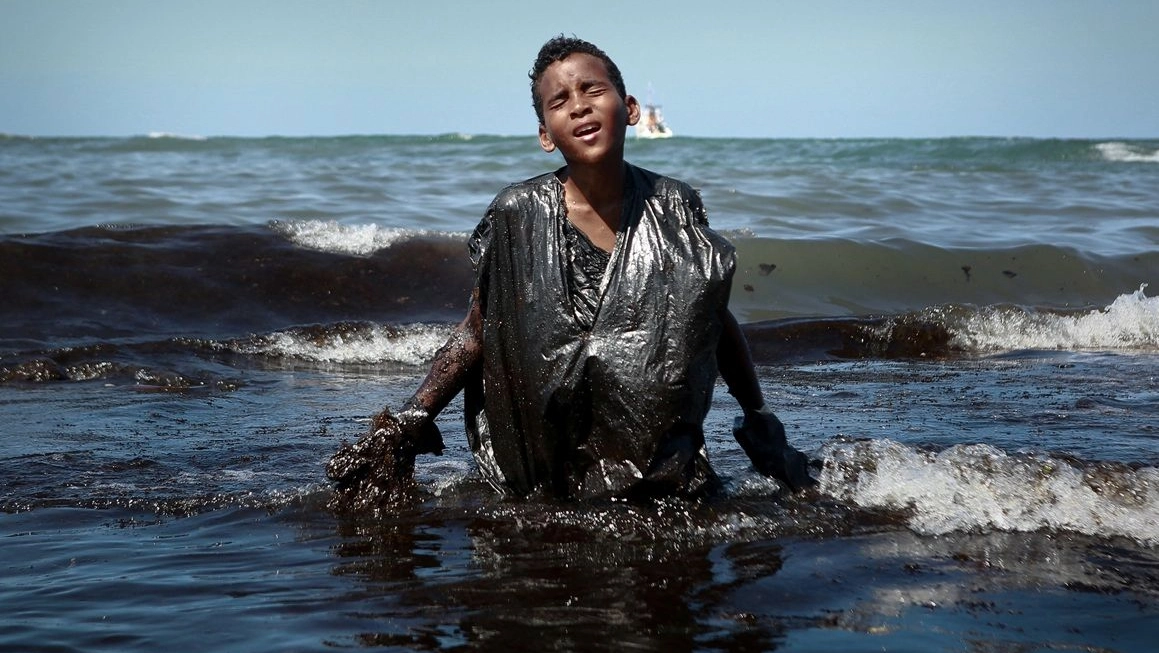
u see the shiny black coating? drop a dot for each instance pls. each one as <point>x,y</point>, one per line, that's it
<point>615,409</point>
<point>376,474</point>
<point>762,436</point>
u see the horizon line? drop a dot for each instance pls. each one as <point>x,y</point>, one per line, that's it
<point>468,135</point>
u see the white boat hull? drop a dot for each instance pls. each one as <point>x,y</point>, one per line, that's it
<point>644,132</point>
<point>651,124</point>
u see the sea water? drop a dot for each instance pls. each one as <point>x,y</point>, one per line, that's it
<point>964,331</point>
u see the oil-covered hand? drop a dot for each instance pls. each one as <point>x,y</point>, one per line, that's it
<point>417,429</point>
<point>377,472</point>
<point>762,436</point>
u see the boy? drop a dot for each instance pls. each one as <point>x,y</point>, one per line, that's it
<point>597,325</point>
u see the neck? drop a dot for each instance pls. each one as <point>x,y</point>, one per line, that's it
<point>597,185</point>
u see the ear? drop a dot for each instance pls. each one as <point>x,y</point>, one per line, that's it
<point>633,106</point>
<point>545,141</point>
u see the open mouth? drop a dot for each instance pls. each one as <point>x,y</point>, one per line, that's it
<point>586,130</point>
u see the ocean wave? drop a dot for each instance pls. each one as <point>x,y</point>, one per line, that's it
<point>349,343</point>
<point>1129,322</point>
<point>977,487</point>
<point>214,281</point>
<point>800,300</point>
<point>1128,152</point>
<point>196,364</point>
<point>832,277</point>
<point>355,240</point>
<point>176,137</point>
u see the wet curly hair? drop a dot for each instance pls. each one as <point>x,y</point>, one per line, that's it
<point>560,48</point>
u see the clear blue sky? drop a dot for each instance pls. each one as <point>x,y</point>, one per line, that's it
<point>765,68</point>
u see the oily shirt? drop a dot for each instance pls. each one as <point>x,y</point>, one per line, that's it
<point>614,404</point>
<point>586,264</point>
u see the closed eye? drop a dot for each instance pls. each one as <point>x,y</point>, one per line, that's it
<point>556,101</point>
<point>594,88</point>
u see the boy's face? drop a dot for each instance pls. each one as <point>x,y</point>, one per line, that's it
<point>583,113</point>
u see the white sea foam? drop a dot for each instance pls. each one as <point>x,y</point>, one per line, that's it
<point>331,236</point>
<point>176,137</point>
<point>1130,322</point>
<point>442,475</point>
<point>980,488</point>
<point>1126,152</point>
<point>411,345</point>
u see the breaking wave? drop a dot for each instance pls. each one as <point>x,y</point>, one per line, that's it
<point>333,237</point>
<point>977,488</point>
<point>1128,152</point>
<point>1129,322</point>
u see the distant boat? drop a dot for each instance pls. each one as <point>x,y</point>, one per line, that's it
<point>652,123</point>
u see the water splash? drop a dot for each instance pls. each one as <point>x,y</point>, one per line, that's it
<point>1129,322</point>
<point>977,487</point>
<point>333,237</point>
<point>349,343</point>
<point>1127,153</point>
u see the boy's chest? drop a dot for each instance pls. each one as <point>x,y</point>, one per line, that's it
<point>599,230</point>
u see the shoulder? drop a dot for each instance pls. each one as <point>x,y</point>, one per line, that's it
<point>516,196</point>
<point>518,203</point>
<point>660,184</point>
<point>674,194</point>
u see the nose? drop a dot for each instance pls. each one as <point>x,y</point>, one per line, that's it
<point>580,105</point>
